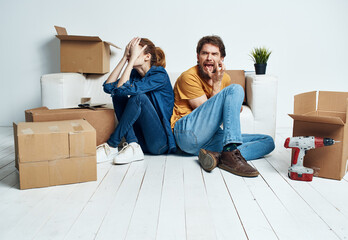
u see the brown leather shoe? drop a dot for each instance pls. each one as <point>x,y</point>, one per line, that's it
<point>208,159</point>
<point>234,162</point>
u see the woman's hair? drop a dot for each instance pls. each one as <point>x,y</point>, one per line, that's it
<point>158,57</point>
<point>214,40</point>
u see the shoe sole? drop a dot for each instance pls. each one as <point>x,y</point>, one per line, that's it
<point>228,169</point>
<point>121,163</point>
<point>208,163</point>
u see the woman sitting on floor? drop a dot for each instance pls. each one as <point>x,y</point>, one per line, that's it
<point>143,100</point>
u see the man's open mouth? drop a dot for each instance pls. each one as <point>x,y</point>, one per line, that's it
<point>208,67</point>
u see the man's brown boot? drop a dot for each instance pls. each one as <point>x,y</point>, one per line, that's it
<point>208,159</point>
<point>235,163</point>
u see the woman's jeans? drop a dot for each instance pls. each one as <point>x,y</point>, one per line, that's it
<point>201,128</point>
<point>138,122</point>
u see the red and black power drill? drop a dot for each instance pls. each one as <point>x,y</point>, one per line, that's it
<point>301,145</point>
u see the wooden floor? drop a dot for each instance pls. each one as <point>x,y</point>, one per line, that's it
<point>170,197</point>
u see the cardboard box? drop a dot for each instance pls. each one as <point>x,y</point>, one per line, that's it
<point>238,77</point>
<point>102,119</point>
<point>326,120</point>
<point>54,153</point>
<point>83,54</point>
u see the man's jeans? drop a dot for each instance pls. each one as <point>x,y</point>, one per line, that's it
<point>201,128</point>
<point>138,122</point>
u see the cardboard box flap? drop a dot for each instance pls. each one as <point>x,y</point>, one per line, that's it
<point>79,38</point>
<point>30,112</point>
<point>61,30</point>
<point>305,102</point>
<point>332,101</point>
<point>111,44</point>
<point>317,119</point>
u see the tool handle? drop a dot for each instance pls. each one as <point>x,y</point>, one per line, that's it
<point>298,156</point>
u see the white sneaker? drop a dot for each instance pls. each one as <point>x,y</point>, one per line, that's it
<point>105,153</point>
<point>129,153</point>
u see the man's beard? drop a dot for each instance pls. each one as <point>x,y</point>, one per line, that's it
<point>201,73</point>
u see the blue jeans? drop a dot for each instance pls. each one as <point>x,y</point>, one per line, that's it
<point>138,122</point>
<point>201,128</point>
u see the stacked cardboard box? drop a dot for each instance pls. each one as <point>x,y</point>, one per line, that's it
<point>329,119</point>
<point>83,54</point>
<point>102,119</point>
<point>54,153</point>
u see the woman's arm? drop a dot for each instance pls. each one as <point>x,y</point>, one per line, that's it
<point>116,72</point>
<point>134,52</point>
<point>155,80</point>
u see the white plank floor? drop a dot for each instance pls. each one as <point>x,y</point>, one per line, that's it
<point>170,197</point>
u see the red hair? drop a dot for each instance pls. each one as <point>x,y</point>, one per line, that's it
<point>158,57</point>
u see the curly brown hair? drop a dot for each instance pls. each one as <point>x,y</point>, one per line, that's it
<point>214,40</point>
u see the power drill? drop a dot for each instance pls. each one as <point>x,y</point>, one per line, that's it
<point>301,145</point>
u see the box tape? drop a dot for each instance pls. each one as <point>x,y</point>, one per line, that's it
<point>77,127</point>
<point>27,131</point>
<point>53,128</point>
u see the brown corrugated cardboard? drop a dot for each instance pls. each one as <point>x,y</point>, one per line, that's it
<point>46,141</point>
<point>326,120</point>
<point>83,54</point>
<point>102,119</point>
<point>72,170</point>
<point>51,153</point>
<point>237,77</point>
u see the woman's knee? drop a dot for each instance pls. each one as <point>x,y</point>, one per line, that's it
<point>138,98</point>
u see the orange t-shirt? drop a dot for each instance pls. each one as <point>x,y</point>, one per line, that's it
<point>190,86</point>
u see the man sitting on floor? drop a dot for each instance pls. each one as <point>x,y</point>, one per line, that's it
<point>205,99</point>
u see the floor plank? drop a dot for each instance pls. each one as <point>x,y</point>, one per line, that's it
<point>82,201</point>
<point>116,222</point>
<point>197,210</point>
<point>224,215</point>
<point>144,222</point>
<point>255,223</point>
<point>171,221</point>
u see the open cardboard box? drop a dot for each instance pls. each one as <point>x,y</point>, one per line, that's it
<point>55,153</point>
<point>328,119</point>
<point>83,54</point>
<point>102,119</point>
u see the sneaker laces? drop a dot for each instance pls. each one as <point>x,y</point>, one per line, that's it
<point>125,146</point>
<point>106,148</point>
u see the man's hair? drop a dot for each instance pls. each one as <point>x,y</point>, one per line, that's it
<point>214,40</point>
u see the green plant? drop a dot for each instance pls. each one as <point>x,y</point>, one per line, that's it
<point>260,55</point>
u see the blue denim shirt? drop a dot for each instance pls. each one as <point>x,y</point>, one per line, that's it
<point>156,85</point>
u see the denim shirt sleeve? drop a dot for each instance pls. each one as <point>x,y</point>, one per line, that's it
<point>154,79</point>
<point>108,87</point>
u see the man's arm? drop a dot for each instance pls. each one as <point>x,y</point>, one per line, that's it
<point>196,102</point>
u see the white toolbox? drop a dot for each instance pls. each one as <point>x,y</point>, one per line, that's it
<point>62,90</point>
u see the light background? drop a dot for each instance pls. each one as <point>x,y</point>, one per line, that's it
<point>309,40</point>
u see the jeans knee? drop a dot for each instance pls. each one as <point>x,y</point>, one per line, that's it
<point>235,89</point>
<point>138,98</point>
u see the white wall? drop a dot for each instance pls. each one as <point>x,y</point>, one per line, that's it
<point>309,40</point>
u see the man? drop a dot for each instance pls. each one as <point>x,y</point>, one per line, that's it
<point>204,100</point>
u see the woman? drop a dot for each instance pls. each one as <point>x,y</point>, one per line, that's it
<point>143,100</point>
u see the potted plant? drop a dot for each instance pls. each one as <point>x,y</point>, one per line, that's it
<point>260,57</point>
